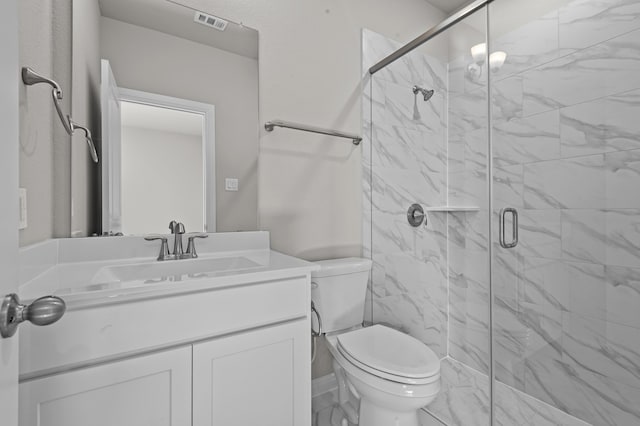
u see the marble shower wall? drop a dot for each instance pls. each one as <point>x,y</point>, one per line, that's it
<point>405,163</point>
<point>566,146</point>
<point>566,153</point>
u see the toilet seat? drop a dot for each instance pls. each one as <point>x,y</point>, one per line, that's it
<point>389,354</point>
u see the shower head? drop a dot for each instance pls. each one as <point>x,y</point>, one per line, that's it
<point>427,94</point>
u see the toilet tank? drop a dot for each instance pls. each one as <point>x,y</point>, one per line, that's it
<point>338,291</point>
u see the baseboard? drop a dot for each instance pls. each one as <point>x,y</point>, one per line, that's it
<point>323,385</point>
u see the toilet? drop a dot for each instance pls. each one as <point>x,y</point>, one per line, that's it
<point>384,376</point>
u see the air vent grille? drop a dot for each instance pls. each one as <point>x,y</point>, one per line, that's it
<point>210,21</point>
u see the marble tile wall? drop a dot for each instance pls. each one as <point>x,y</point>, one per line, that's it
<point>404,162</point>
<point>566,153</point>
<point>565,142</point>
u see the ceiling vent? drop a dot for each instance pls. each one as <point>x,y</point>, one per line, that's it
<point>210,21</point>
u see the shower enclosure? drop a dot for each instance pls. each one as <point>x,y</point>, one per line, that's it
<point>516,126</point>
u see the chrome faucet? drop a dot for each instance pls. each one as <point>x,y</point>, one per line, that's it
<point>177,229</point>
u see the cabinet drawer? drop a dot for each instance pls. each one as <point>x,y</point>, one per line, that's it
<point>85,336</point>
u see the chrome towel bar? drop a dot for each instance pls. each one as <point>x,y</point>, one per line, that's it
<point>30,77</point>
<point>270,125</point>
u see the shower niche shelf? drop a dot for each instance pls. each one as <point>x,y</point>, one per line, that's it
<point>451,209</point>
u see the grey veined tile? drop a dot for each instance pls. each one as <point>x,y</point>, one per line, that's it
<point>623,237</point>
<point>584,235</point>
<point>527,140</point>
<point>622,289</point>
<point>468,112</point>
<point>403,149</point>
<point>463,399</point>
<point>540,233</point>
<point>602,125</point>
<point>567,183</point>
<point>587,22</point>
<point>622,179</point>
<point>508,186</point>
<point>416,316</point>
<point>507,97</point>
<point>530,44</point>
<point>604,69</point>
<point>517,408</point>
<point>605,348</point>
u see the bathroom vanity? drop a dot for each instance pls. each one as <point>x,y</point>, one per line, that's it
<point>218,340</point>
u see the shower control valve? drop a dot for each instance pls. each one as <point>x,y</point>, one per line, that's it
<point>415,215</point>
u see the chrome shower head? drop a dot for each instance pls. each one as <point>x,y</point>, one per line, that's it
<point>427,94</point>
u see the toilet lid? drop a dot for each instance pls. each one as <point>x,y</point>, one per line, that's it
<point>390,351</point>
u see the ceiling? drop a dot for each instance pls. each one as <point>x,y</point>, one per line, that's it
<point>173,18</point>
<point>449,6</point>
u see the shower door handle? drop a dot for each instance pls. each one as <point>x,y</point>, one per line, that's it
<point>514,227</point>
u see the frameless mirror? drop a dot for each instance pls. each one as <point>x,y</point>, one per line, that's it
<point>177,91</point>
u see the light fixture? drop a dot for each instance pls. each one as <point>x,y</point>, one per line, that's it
<point>479,58</point>
<point>496,60</point>
<point>479,53</point>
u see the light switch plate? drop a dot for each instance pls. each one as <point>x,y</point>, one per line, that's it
<point>231,184</point>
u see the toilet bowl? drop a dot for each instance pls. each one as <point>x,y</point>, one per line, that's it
<point>392,374</point>
<point>384,376</point>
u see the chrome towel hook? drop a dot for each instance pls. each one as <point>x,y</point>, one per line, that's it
<point>30,77</point>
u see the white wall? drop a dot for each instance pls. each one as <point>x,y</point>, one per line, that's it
<point>310,72</point>
<point>156,191</point>
<point>44,44</point>
<point>155,62</point>
<point>84,181</point>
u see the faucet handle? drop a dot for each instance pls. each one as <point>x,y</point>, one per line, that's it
<point>191,246</point>
<point>164,246</point>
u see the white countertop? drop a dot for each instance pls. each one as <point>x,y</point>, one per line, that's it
<point>79,275</point>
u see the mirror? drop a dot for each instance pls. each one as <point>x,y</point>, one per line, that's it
<point>158,49</point>
<point>151,134</point>
<point>181,66</point>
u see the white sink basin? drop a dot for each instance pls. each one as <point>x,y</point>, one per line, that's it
<point>172,269</point>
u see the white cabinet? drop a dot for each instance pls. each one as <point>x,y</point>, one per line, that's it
<point>256,378</point>
<point>259,377</point>
<point>153,390</point>
<point>225,356</point>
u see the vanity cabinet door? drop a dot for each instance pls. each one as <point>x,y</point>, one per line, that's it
<point>256,378</point>
<point>153,390</point>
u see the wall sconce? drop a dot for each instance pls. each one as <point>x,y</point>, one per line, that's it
<point>479,56</point>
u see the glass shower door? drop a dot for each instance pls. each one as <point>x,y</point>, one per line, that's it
<point>426,139</point>
<point>565,103</point>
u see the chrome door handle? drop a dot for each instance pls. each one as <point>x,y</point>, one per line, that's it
<point>43,311</point>
<point>514,227</point>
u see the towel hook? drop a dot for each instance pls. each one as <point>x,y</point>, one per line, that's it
<point>30,77</point>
